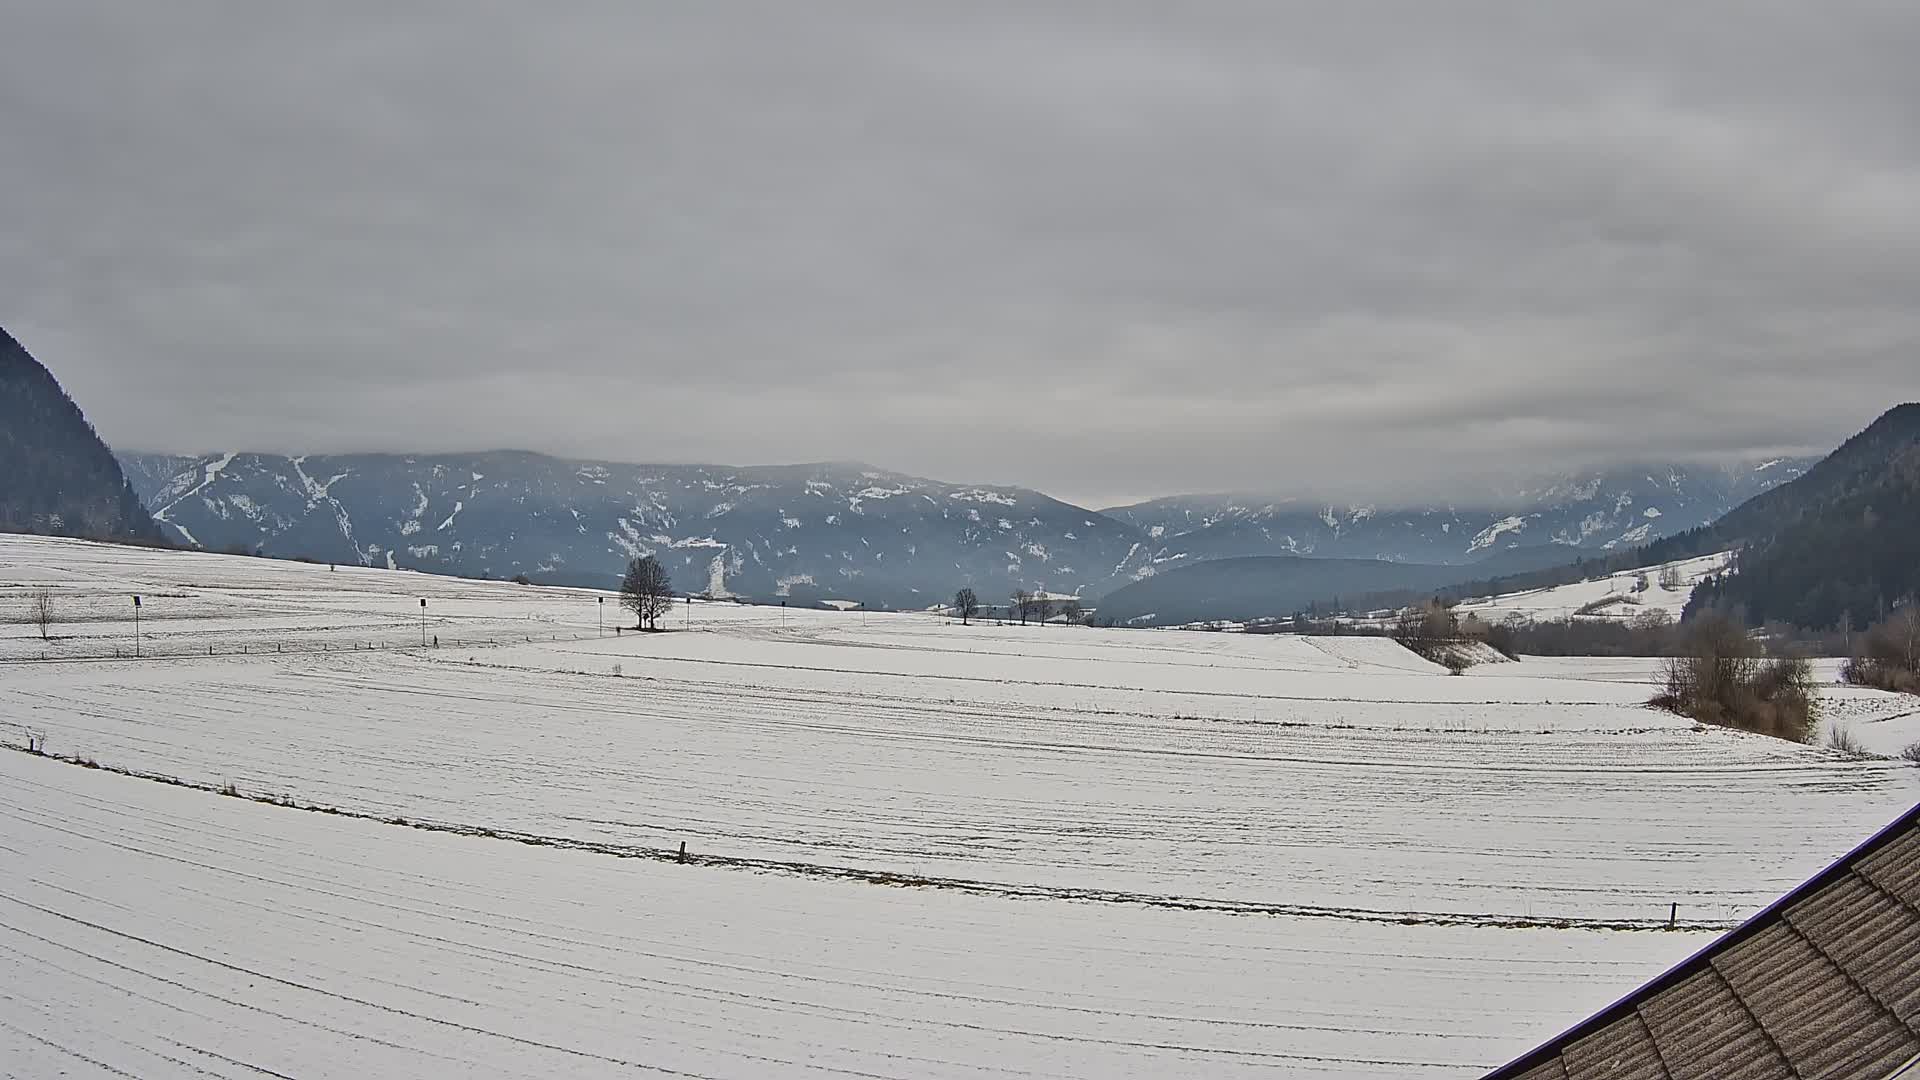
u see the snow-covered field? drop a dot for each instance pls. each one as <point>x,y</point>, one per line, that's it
<point>917,849</point>
<point>151,931</point>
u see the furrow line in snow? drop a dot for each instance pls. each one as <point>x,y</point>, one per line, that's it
<point>875,876</point>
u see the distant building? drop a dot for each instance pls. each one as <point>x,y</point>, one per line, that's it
<point>1058,607</point>
<point>1823,984</point>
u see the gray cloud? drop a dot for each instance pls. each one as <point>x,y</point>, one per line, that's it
<point>1109,250</point>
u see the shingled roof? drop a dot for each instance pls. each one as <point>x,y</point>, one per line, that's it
<point>1825,983</point>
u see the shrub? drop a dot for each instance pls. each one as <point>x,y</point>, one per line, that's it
<point>1443,651</point>
<point>1888,655</point>
<point>1912,753</point>
<point>1719,678</point>
<point>1866,671</point>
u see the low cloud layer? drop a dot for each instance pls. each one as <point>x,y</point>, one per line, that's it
<point>1108,250</point>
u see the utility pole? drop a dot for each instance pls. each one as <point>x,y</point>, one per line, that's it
<point>423,622</point>
<point>689,611</point>
<point>136,627</point>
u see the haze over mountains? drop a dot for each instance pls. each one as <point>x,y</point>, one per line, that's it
<point>849,530</point>
<point>1607,509</point>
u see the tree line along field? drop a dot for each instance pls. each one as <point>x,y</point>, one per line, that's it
<point>915,848</point>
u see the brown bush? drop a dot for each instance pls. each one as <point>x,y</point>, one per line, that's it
<point>1720,678</point>
<point>1888,654</point>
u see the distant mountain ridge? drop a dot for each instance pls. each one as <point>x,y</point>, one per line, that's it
<point>799,531</point>
<point>817,531</point>
<point>56,476</point>
<point>1604,510</point>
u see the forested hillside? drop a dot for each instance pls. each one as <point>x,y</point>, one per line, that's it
<point>1840,545</point>
<point>56,476</point>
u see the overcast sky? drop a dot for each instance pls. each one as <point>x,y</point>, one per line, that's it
<point>1107,250</point>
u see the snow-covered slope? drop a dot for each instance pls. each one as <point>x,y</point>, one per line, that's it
<point>802,531</point>
<point>1626,595</point>
<point>1594,511</point>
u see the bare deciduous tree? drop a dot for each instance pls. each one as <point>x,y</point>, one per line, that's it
<point>646,591</point>
<point>966,605</point>
<point>40,612</point>
<point>1023,604</point>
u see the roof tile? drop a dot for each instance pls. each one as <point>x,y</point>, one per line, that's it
<point>1617,1052</point>
<point>1875,937</point>
<point>1824,1024</point>
<point>1895,866</point>
<point>1705,1033</point>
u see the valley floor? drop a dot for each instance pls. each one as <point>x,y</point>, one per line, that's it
<point>917,848</point>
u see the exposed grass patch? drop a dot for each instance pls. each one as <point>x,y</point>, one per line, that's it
<point>1846,742</point>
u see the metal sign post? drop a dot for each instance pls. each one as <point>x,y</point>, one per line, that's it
<point>136,627</point>
<point>423,622</point>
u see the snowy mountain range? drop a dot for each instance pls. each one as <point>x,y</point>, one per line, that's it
<point>1605,510</point>
<point>848,531</point>
<point>801,531</point>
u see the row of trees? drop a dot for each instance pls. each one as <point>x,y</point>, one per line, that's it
<point>1025,606</point>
